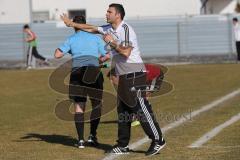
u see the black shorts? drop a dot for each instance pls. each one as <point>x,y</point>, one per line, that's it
<point>86,81</point>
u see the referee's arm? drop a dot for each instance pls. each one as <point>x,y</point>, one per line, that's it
<point>58,53</point>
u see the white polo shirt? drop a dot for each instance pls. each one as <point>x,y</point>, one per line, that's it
<point>237,32</point>
<point>125,35</point>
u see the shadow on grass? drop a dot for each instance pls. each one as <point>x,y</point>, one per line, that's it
<point>58,139</point>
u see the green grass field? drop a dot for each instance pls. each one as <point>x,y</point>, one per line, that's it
<point>30,129</point>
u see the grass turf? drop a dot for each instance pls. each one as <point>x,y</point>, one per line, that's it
<point>30,129</point>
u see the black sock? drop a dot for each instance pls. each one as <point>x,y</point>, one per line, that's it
<point>94,126</point>
<point>79,123</point>
<point>95,117</point>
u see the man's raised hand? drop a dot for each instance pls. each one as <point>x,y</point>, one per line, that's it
<point>66,20</point>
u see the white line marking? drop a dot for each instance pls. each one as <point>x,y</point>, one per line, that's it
<point>206,137</point>
<point>220,147</point>
<point>181,120</point>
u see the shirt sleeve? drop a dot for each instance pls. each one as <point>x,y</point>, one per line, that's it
<point>101,46</point>
<point>103,29</point>
<point>65,47</point>
<point>129,37</point>
<point>100,30</point>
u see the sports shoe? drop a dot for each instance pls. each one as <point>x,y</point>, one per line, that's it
<point>46,62</point>
<point>119,150</point>
<point>135,123</point>
<point>81,144</point>
<point>92,140</point>
<point>155,147</point>
<point>29,67</point>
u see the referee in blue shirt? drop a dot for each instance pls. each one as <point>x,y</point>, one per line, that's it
<point>85,48</point>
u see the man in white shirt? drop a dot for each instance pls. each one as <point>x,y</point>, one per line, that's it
<point>131,71</point>
<point>236,28</point>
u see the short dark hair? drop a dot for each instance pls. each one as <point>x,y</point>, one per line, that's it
<point>79,19</point>
<point>119,8</point>
<point>26,26</point>
<point>235,19</point>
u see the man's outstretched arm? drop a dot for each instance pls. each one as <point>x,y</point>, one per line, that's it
<point>85,27</point>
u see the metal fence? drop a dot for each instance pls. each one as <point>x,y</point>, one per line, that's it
<point>158,36</point>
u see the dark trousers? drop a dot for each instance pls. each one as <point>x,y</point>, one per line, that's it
<point>32,51</point>
<point>238,50</point>
<point>131,103</point>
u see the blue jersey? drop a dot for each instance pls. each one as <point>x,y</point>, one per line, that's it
<point>85,48</point>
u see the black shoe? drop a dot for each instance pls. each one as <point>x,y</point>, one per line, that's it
<point>155,147</point>
<point>92,140</point>
<point>81,144</point>
<point>46,63</point>
<point>119,150</point>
